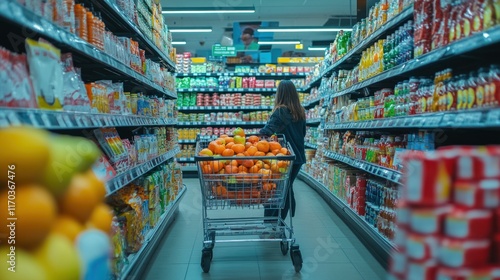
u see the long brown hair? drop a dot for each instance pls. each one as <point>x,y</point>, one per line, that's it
<point>287,96</point>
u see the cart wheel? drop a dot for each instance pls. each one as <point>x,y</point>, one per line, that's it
<point>284,247</point>
<point>206,258</point>
<point>296,258</point>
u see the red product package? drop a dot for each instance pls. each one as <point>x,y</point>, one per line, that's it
<point>478,165</point>
<point>484,273</point>
<point>467,18</point>
<point>428,220</point>
<point>425,270</point>
<point>469,224</point>
<point>496,248</point>
<point>464,253</point>
<point>429,178</point>
<point>477,194</point>
<point>422,247</point>
<point>437,19</point>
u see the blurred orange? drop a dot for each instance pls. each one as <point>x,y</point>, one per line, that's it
<point>80,198</point>
<point>35,210</point>
<point>101,218</point>
<point>68,227</point>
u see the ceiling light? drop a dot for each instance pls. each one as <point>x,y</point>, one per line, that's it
<point>316,48</point>
<point>210,10</point>
<point>190,29</point>
<point>302,29</point>
<point>179,42</point>
<point>279,42</point>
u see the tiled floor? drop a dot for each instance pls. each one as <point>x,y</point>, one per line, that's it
<point>329,249</point>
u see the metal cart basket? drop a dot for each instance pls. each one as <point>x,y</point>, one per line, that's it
<point>246,187</point>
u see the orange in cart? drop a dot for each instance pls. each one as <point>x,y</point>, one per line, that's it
<point>212,146</point>
<point>219,149</point>
<point>231,169</point>
<point>217,166</point>
<point>252,150</point>
<point>229,145</point>
<point>228,152</point>
<point>263,146</point>
<point>260,154</point>
<point>206,152</point>
<point>229,140</point>
<point>238,148</point>
<point>274,146</point>
<point>253,139</point>
<point>206,169</point>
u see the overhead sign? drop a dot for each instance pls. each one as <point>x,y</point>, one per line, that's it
<point>218,50</point>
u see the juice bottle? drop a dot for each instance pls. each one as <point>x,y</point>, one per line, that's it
<point>471,91</point>
<point>81,21</point>
<point>438,79</point>
<point>494,85</point>
<point>482,83</point>
<point>462,92</point>
<point>451,95</point>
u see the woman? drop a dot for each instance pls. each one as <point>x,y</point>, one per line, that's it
<point>288,118</point>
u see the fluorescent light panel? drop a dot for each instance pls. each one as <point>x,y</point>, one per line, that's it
<point>179,42</point>
<point>279,42</point>
<point>316,48</point>
<point>210,10</point>
<point>190,29</point>
<point>302,29</point>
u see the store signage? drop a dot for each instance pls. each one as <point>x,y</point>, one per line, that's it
<point>223,51</point>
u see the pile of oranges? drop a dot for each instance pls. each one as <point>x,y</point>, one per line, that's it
<point>254,147</point>
<point>253,162</point>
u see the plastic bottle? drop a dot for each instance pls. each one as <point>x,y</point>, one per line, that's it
<point>471,91</point>
<point>81,21</point>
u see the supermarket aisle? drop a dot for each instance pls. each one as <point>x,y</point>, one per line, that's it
<point>330,250</point>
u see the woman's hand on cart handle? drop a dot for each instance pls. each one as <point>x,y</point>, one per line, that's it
<point>274,137</point>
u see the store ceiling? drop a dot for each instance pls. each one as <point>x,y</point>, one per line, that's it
<point>286,12</point>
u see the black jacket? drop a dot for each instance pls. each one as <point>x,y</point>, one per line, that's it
<point>281,122</point>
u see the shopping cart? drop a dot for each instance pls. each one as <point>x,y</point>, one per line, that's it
<point>236,200</point>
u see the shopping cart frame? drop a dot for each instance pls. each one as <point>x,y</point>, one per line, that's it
<point>216,195</point>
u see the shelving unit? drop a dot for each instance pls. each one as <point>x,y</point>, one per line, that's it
<point>314,121</point>
<point>119,23</point>
<point>233,74</point>
<point>481,118</point>
<point>224,108</point>
<point>455,54</point>
<point>139,261</point>
<point>380,246</point>
<point>74,120</point>
<point>347,60</point>
<point>379,171</point>
<point>99,63</point>
<point>223,90</point>
<point>136,172</point>
<point>313,102</point>
<point>19,23</point>
<point>310,145</point>
<point>223,123</point>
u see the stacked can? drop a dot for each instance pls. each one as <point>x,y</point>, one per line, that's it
<point>448,219</point>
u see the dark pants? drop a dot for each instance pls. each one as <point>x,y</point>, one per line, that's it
<point>284,212</point>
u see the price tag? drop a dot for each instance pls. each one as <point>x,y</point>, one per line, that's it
<point>493,117</point>
<point>46,120</point>
<point>211,90</point>
<point>33,120</point>
<point>209,107</point>
<point>190,90</point>
<point>232,123</point>
<point>273,74</point>
<point>230,89</point>
<point>475,118</point>
<point>251,89</point>
<point>60,121</point>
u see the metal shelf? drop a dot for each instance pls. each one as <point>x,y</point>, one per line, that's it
<point>125,178</point>
<point>223,108</point>
<point>380,246</point>
<point>479,118</point>
<point>118,23</point>
<point>223,123</point>
<point>243,90</point>
<point>310,145</point>
<point>354,53</point>
<point>437,57</point>
<point>314,121</point>
<point>379,171</point>
<point>92,60</point>
<point>186,141</point>
<point>189,169</point>
<point>311,103</point>
<point>233,74</point>
<point>139,261</point>
<point>185,160</point>
<point>74,120</point>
